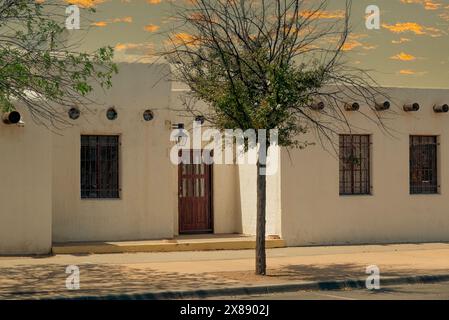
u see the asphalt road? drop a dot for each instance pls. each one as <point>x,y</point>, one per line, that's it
<point>436,291</point>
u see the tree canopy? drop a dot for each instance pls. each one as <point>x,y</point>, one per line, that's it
<point>263,64</point>
<point>37,67</point>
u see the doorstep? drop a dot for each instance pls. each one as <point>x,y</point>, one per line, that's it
<point>179,243</point>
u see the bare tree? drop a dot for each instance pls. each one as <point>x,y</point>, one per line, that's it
<point>269,64</point>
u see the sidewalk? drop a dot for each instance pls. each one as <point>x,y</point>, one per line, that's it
<point>118,274</point>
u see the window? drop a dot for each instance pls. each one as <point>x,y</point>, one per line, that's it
<point>355,165</point>
<point>423,165</point>
<point>99,166</point>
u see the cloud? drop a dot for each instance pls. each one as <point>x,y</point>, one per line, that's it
<point>413,27</point>
<point>370,47</point>
<point>151,28</point>
<point>135,48</point>
<point>134,52</point>
<point>428,4</point>
<point>403,57</point>
<point>124,19</point>
<point>85,3</point>
<point>154,1</point>
<point>182,38</point>
<point>116,20</point>
<point>100,24</point>
<point>401,40</point>
<point>351,44</point>
<point>411,72</point>
<point>322,14</point>
<point>445,15</point>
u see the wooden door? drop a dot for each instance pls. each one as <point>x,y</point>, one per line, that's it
<point>195,197</point>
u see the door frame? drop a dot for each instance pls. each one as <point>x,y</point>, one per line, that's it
<point>211,198</point>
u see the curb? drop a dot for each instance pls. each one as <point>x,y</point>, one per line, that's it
<point>160,246</point>
<point>263,289</point>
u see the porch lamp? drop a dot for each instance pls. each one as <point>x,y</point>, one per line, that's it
<point>182,137</point>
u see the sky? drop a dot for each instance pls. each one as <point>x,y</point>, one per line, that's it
<point>411,48</point>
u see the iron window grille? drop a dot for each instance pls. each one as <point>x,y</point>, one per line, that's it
<point>99,166</point>
<point>423,165</point>
<point>354,155</point>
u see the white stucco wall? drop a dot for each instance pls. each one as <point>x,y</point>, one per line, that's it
<point>40,178</point>
<point>248,200</point>
<point>25,188</point>
<point>148,206</point>
<point>313,213</point>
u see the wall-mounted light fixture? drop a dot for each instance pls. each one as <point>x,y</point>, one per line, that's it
<point>352,106</point>
<point>383,106</point>
<point>441,108</point>
<point>411,107</point>
<point>180,134</point>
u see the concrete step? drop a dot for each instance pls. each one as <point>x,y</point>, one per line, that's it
<point>182,243</point>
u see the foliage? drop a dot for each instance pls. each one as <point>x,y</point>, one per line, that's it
<point>37,68</point>
<point>262,64</point>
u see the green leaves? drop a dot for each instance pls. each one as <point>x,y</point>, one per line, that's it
<point>261,64</point>
<point>241,98</point>
<point>34,59</point>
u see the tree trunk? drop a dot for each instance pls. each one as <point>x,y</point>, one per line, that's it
<point>261,264</point>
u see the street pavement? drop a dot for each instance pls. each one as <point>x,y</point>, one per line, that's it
<point>434,291</point>
<point>118,274</point>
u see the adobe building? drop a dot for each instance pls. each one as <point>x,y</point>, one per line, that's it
<point>108,177</point>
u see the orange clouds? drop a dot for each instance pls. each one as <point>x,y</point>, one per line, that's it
<point>403,57</point>
<point>100,24</point>
<point>116,20</point>
<point>183,37</point>
<point>410,72</point>
<point>322,14</point>
<point>351,44</point>
<point>154,1</point>
<point>401,40</point>
<point>85,3</point>
<point>405,27</point>
<point>135,48</point>
<point>151,28</point>
<point>413,27</point>
<point>355,41</point>
<point>124,19</point>
<point>407,71</point>
<point>428,4</point>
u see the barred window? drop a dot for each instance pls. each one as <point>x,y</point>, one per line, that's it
<point>423,165</point>
<point>354,165</point>
<point>99,166</point>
